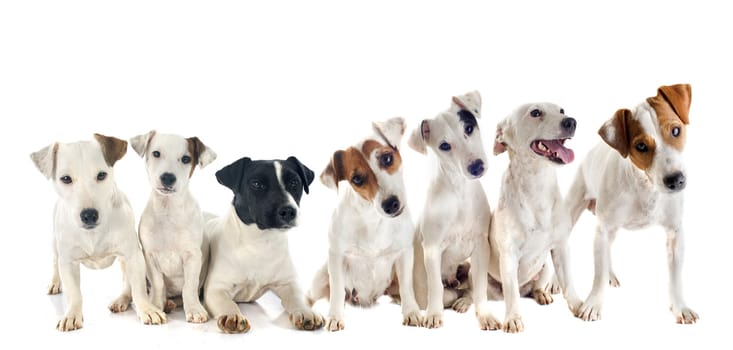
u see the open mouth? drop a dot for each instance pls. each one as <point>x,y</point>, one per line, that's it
<point>554,150</point>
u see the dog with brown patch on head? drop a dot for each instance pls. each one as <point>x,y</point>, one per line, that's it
<point>93,224</point>
<point>634,179</point>
<point>371,231</point>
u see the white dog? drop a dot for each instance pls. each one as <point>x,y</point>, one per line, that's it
<point>93,224</point>
<point>633,180</point>
<point>172,225</point>
<point>455,221</point>
<point>530,220</point>
<point>371,231</point>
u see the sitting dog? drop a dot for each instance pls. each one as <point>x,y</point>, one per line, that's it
<point>371,231</point>
<point>93,224</point>
<point>172,225</point>
<point>530,220</point>
<point>249,245</point>
<point>455,221</point>
<point>635,179</point>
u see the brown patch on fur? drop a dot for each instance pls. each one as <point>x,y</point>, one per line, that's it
<point>370,146</point>
<point>627,134</point>
<point>592,206</point>
<point>349,163</point>
<point>672,105</point>
<point>112,148</point>
<point>195,147</point>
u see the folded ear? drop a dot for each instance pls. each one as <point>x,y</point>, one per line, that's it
<point>45,160</point>
<point>470,101</point>
<point>614,132</point>
<point>499,143</point>
<point>679,97</point>
<point>112,148</point>
<point>306,175</point>
<point>231,175</point>
<point>334,171</point>
<point>391,130</point>
<point>201,154</point>
<point>140,143</point>
<point>419,136</point>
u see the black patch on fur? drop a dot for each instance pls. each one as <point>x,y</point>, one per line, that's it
<point>468,118</point>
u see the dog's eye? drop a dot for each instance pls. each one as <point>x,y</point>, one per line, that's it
<point>65,179</point>
<point>101,176</point>
<point>562,111</point>
<point>186,159</point>
<point>257,185</point>
<point>386,159</point>
<point>535,113</point>
<point>357,180</point>
<point>293,184</point>
<point>156,154</point>
<point>468,129</point>
<point>445,146</point>
<point>642,147</point>
<point>676,131</point>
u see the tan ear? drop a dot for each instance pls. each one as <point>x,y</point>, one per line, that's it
<point>499,143</point>
<point>45,160</point>
<point>112,148</point>
<point>140,143</point>
<point>615,133</point>
<point>470,101</point>
<point>419,136</point>
<point>679,97</point>
<point>201,154</point>
<point>334,171</point>
<point>391,130</point>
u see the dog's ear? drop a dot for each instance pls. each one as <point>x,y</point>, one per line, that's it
<point>45,160</point>
<point>679,97</point>
<point>306,175</point>
<point>201,154</point>
<point>419,136</point>
<point>615,133</point>
<point>334,171</point>
<point>231,175</point>
<point>391,130</point>
<point>470,101</point>
<point>499,142</point>
<point>140,143</point>
<point>112,148</point>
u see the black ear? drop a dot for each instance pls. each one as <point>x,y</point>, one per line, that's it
<point>306,175</point>
<point>231,175</point>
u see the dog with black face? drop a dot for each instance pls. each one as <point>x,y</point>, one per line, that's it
<point>266,200</point>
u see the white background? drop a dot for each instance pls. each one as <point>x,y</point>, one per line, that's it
<point>305,78</point>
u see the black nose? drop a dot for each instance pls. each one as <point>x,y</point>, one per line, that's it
<point>167,179</point>
<point>89,216</point>
<point>476,168</point>
<point>568,124</point>
<point>391,206</point>
<point>286,215</point>
<point>675,182</point>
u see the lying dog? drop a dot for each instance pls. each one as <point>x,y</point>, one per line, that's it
<point>371,231</point>
<point>633,180</point>
<point>249,245</point>
<point>455,221</point>
<point>530,220</point>
<point>172,225</point>
<point>93,224</point>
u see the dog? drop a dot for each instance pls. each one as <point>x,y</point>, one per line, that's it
<point>172,224</point>
<point>530,220</point>
<point>93,224</point>
<point>454,224</point>
<point>249,245</point>
<point>371,231</point>
<point>633,179</point>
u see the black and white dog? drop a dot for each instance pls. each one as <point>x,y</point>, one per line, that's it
<point>249,245</point>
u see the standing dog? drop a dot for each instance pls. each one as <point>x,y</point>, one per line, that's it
<point>249,245</point>
<point>455,221</point>
<point>530,220</point>
<point>371,231</point>
<point>633,180</point>
<point>172,225</point>
<point>93,224</point>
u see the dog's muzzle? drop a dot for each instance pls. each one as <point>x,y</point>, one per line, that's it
<point>89,218</point>
<point>675,182</point>
<point>392,206</point>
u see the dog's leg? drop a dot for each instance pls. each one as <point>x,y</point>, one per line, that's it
<point>193,309</point>
<point>460,298</point>
<point>157,284</point>
<point>410,311</point>
<point>228,316</point>
<point>319,287</point>
<point>301,316</point>
<point>561,261</point>
<point>612,280</point>
<point>123,301</point>
<point>675,252</point>
<point>135,272</point>
<point>434,313</point>
<point>479,273</point>
<point>55,286</point>
<point>335,320</point>
<point>591,308</point>
<point>541,294</point>
<point>510,285</point>
<point>73,319</point>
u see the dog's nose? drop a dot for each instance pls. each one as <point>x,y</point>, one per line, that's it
<point>167,179</point>
<point>286,215</point>
<point>89,216</point>
<point>568,124</point>
<point>391,206</point>
<point>675,182</point>
<point>476,168</point>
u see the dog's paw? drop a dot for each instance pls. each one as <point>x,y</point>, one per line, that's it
<point>461,304</point>
<point>574,304</point>
<point>589,311</point>
<point>54,287</point>
<point>514,324</point>
<point>196,314</point>
<point>686,316</point>
<point>542,296</point>
<point>151,315</point>
<point>72,321</point>
<point>233,324</point>
<point>306,320</point>
<point>412,319</point>
<point>169,306</point>
<point>553,288</point>
<point>434,320</point>
<point>613,280</point>
<point>334,324</point>
<point>488,322</point>
<point>120,304</point>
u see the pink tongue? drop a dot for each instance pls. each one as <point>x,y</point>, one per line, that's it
<point>565,154</point>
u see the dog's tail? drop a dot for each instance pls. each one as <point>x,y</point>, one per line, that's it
<point>577,199</point>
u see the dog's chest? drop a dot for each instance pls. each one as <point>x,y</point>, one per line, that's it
<point>258,265</point>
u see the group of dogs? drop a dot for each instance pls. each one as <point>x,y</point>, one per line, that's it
<point>459,253</point>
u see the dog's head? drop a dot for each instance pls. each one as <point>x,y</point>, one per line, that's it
<point>454,137</point>
<point>653,135</point>
<point>171,159</point>
<point>536,131</point>
<point>82,176</point>
<point>266,192</point>
<point>373,168</point>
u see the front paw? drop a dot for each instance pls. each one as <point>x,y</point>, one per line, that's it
<point>542,296</point>
<point>151,315</point>
<point>334,324</point>
<point>433,320</point>
<point>589,311</point>
<point>574,304</point>
<point>54,287</point>
<point>488,322</point>
<point>685,316</point>
<point>514,324</point>
<point>233,324</point>
<point>120,304</point>
<point>196,314</point>
<point>412,318</point>
<point>461,304</point>
<point>613,280</point>
<point>306,320</point>
<point>72,321</point>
